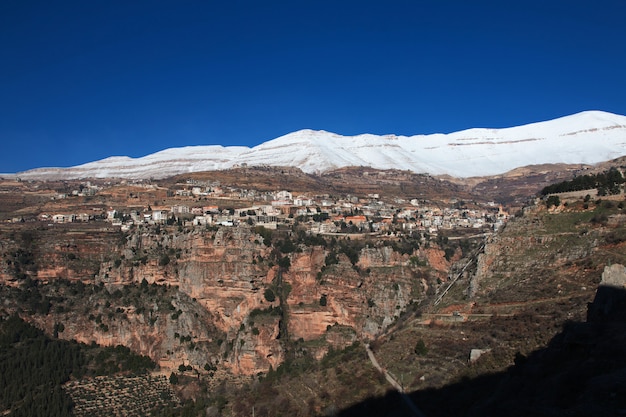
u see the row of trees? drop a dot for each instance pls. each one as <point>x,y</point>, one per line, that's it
<point>607,182</point>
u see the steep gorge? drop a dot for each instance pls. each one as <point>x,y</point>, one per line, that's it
<point>198,297</point>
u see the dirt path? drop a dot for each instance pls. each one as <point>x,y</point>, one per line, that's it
<point>410,404</point>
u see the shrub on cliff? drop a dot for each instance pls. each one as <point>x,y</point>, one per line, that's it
<point>284,262</point>
<point>269,295</point>
<point>331,259</point>
<point>323,300</point>
<point>287,246</point>
<point>266,234</point>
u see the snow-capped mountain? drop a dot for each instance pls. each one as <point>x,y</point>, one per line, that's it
<point>588,137</point>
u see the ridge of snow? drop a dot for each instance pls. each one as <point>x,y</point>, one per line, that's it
<point>588,137</point>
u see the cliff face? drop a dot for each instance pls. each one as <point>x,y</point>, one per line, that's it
<point>217,280</point>
<point>48,253</point>
<point>367,300</point>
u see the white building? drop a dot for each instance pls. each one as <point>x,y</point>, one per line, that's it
<point>159,215</point>
<point>283,195</point>
<point>302,201</point>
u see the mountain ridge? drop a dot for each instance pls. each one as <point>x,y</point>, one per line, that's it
<point>588,137</point>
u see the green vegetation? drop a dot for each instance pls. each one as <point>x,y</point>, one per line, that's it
<point>416,261</point>
<point>607,182</point>
<point>286,246</point>
<point>21,261</point>
<point>323,301</point>
<point>553,200</point>
<point>266,234</point>
<point>405,246</point>
<point>33,367</point>
<point>269,295</point>
<point>112,360</point>
<point>31,298</point>
<point>420,348</point>
<point>351,249</point>
<point>284,262</point>
<point>303,386</point>
<point>307,239</point>
<point>572,221</point>
<point>138,395</point>
<point>331,259</point>
<point>164,260</point>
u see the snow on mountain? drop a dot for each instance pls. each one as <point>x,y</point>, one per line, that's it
<point>588,137</point>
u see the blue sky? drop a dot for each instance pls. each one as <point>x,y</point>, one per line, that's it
<point>83,80</point>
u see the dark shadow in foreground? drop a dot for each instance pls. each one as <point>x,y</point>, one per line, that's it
<point>582,372</point>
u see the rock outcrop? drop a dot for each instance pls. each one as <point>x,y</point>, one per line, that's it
<point>610,299</point>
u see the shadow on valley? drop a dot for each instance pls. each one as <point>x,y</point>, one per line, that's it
<point>581,372</point>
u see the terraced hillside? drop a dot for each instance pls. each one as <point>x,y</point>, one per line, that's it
<point>123,396</point>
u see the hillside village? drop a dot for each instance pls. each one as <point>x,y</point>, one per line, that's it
<point>233,314</point>
<point>208,204</point>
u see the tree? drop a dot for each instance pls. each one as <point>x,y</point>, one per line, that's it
<point>173,378</point>
<point>420,348</point>
<point>269,295</point>
<point>266,234</point>
<point>284,262</point>
<point>331,259</point>
<point>553,200</point>
<point>287,246</point>
<point>164,260</point>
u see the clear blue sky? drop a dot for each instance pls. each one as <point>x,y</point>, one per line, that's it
<point>83,80</point>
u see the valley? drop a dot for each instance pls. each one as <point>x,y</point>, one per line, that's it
<point>259,288</point>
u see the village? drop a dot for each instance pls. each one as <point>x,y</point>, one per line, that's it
<point>208,204</point>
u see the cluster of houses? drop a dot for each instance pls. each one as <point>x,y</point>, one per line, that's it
<point>320,214</point>
<point>84,190</point>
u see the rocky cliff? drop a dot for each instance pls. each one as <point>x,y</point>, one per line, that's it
<point>199,297</point>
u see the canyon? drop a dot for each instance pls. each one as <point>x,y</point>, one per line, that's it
<point>245,316</point>
<point>217,281</point>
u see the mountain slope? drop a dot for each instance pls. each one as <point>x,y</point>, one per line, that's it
<point>588,137</point>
